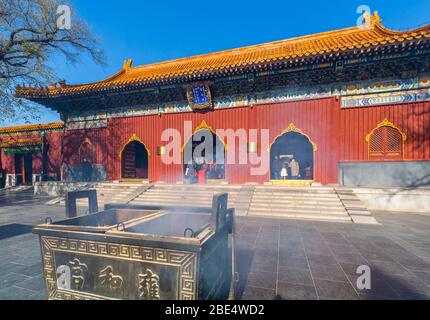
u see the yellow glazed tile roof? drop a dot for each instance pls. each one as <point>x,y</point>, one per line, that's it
<point>331,42</point>
<point>32,128</point>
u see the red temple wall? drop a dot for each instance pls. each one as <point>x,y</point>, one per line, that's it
<point>54,156</point>
<point>53,140</point>
<point>339,135</point>
<point>319,119</point>
<point>74,139</point>
<point>411,118</point>
<point>7,162</point>
<point>37,163</point>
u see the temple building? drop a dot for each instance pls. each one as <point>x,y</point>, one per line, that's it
<point>349,107</point>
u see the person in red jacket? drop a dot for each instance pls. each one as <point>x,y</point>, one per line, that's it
<point>201,173</point>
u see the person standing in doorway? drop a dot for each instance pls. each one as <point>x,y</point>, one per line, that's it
<point>284,172</point>
<point>295,169</point>
<point>276,168</point>
<point>308,171</point>
<point>201,172</point>
<point>287,163</point>
<point>190,173</point>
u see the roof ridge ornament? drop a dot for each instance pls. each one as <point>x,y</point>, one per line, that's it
<point>128,63</point>
<point>376,17</point>
<point>370,20</point>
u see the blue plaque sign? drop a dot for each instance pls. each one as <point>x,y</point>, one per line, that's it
<point>199,96</point>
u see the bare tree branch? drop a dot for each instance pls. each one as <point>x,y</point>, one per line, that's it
<point>29,37</point>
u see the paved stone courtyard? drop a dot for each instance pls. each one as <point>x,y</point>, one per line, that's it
<point>277,259</point>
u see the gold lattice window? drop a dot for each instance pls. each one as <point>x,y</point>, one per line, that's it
<point>386,142</point>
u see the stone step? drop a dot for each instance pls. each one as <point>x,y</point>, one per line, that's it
<point>298,202</point>
<point>239,212</point>
<point>150,198</point>
<point>316,217</point>
<point>295,191</point>
<point>155,191</point>
<point>290,189</point>
<point>289,199</point>
<point>111,192</point>
<point>208,200</point>
<point>277,192</point>
<point>347,197</point>
<point>121,195</point>
<point>209,194</point>
<point>301,205</point>
<point>197,187</point>
<point>299,210</point>
<point>295,194</point>
<point>100,200</point>
<point>163,203</point>
<point>171,201</point>
<point>174,203</point>
<point>184,203</point>
<point>195,191</point>
<point>115,192</point>
<point>117,188</point>
<point>178,197</point>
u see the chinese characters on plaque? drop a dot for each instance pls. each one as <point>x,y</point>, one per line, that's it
<point>199,96</point>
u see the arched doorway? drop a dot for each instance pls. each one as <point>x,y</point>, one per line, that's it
<point>134,161</point>
<point>87,159</point>
<point>205,151</point>
<point>292,157</point>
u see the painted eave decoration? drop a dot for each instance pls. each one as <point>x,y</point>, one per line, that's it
<point>284,53</point>
<point>20,146</point>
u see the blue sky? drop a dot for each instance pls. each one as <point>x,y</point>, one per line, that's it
<point>151,31</point>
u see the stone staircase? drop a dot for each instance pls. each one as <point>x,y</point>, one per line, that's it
<point>113,193</point>
<point>354,206</point>
<point>305,203</point>
<point>188,195</point>
<point>309,203</point>
<point>16,189</point>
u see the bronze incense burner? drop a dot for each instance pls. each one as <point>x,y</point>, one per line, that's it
<point>135,252</point>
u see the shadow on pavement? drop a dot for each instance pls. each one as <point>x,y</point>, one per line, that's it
<point>14,229</point>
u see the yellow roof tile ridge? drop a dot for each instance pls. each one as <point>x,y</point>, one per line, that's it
<point>32,127</point>
<point>328,41</point>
